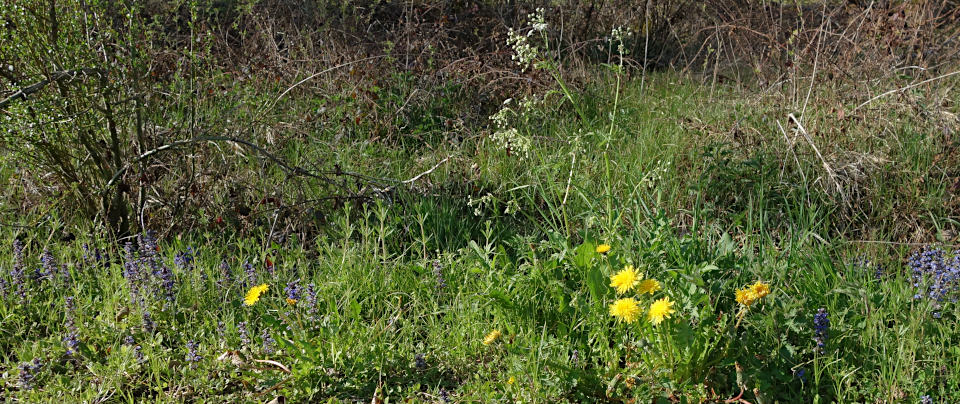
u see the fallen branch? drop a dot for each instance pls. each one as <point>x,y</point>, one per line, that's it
<point>417,177</point>
<point>383,185</point>
<point>169,146</point>
<point>55,76</point>
<point>274,363</point>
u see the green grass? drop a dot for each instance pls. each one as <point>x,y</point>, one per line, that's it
<point>501,241</point>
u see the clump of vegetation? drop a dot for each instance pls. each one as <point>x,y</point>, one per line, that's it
<point>375,201</point>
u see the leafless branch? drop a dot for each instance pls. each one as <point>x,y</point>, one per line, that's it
<point>55,76</point>
<point>902,89</point>
<point>417,177</point>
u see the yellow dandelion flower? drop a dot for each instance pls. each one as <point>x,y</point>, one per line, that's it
<point>625,310</point>
<point>253,295</point>
<point>648,286</point>
<point>625,279</point>
<point>491,337</point>
<point>746,296</point>
<point>603,248</point>
<point>511,380</point>
<point>660,310</point>
<point>760,289</point>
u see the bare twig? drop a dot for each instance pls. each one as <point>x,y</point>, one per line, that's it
<point>179,143</point>
<point>902,243</point>
<point>274,363</point>
<point>566,193</point>
<point>310,77</point>
<point>792,153</point>
<point>646,46</point>
<point>417,177</point>
<point>942,76</point>
<point>55,76</point>
<point>826,166</point>
<point>816,60</point>
<point>381,183</point>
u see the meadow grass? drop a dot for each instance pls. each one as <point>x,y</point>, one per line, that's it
<point>697,188</point>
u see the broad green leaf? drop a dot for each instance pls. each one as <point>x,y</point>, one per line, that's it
<point>597,284</point>
<point>584,255</point>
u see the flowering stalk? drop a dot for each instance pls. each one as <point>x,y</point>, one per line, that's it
<point>438,274</point>
<point>70,340</point>
<point>184,259</point>
<point>618,35</point>
<point>48,266</point>
<point>137,351</point>
<point>312,302</point>
<point>167,283</point>
<point>17,274</point>
<point>131,272</point>
<point>244,335</point>
<point>821,325</point>
<point>28,372</point>
<point>65,274</point>
<point>269,343</point>
<point>661,332</point>
<point>293,291</point>
<point>251,274</point>
<point>935,277</point>
<point>148,325</point>
<point>192,356</point>
<point>226,277</point>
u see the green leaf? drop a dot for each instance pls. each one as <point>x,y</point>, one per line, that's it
<point>597,284</point>
<point>584,255</point>
<point>726,245</point>
<point>354,310</point>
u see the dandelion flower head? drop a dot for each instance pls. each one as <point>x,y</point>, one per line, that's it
<point>491,337</point>
<point>625,310</point>
<point>253,295</point>
<point>750,294</point>
<point>625,280</point>
<point>746,296</point>
<point>648,286</point>
<point>603,248</point>
<point>760,289</point>
<point>660,310</point>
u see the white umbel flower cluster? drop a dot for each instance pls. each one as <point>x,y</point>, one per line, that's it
<point>523,52</point>
<point>506,135</point>
<point>617,36</point>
